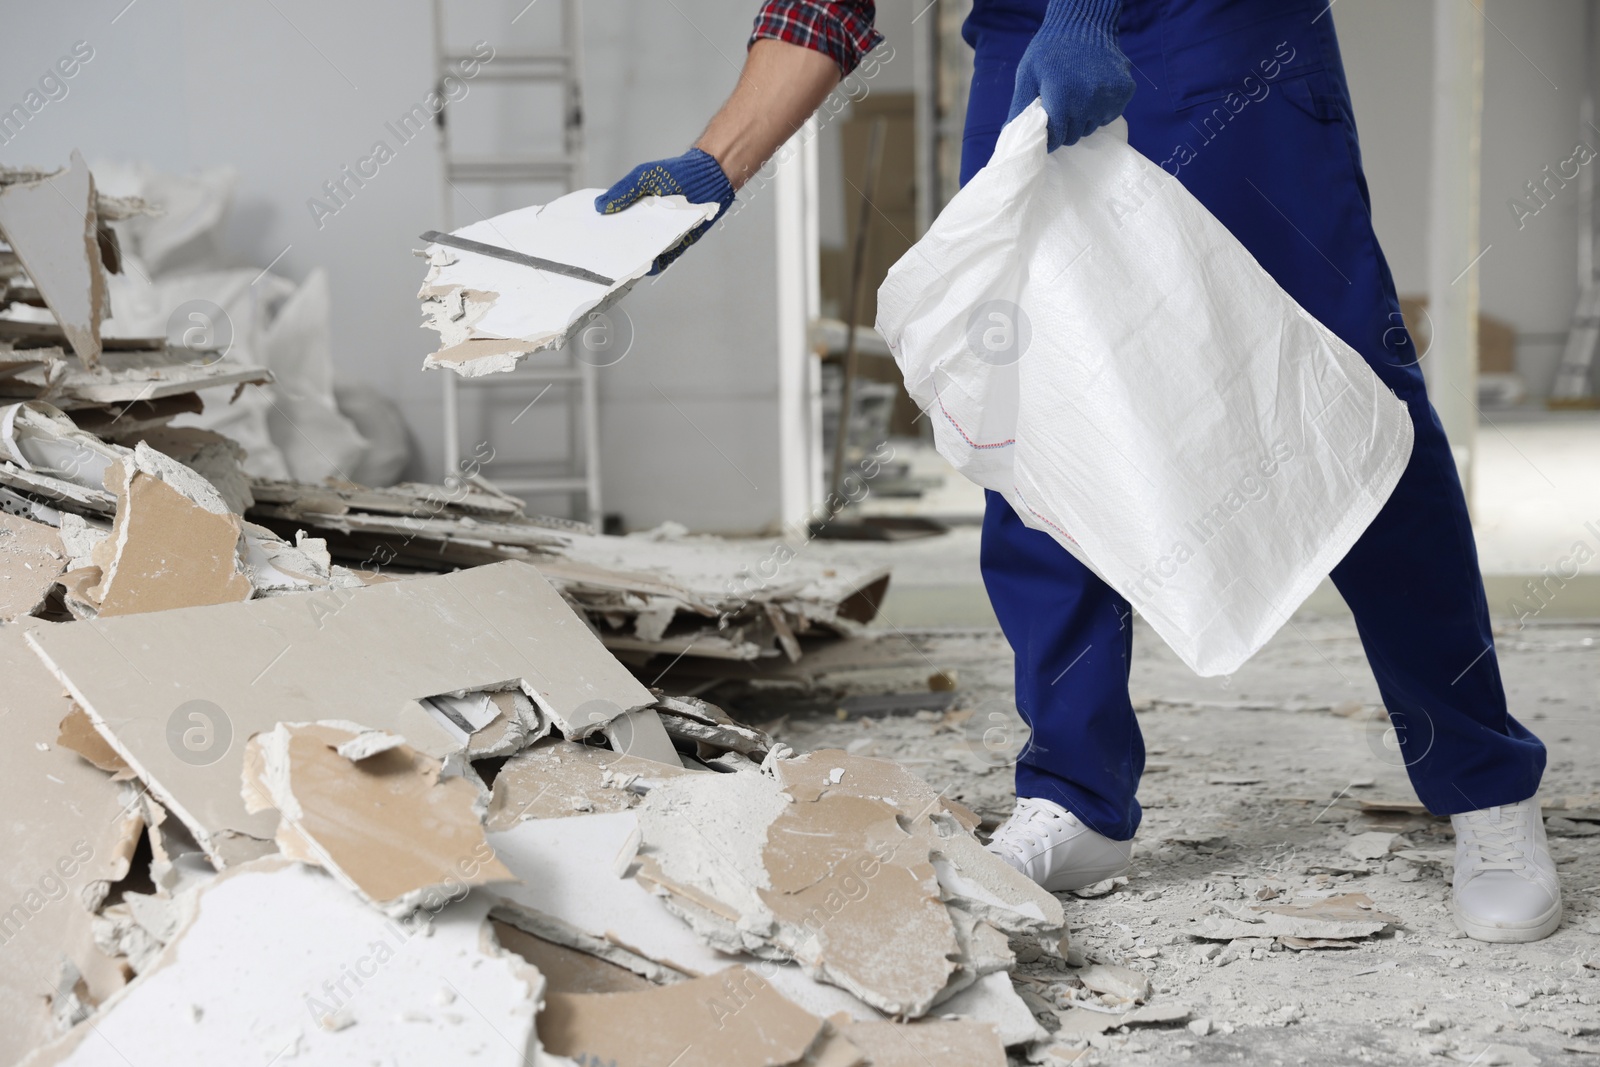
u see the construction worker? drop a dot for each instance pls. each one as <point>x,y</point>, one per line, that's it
<point>1245,102</point>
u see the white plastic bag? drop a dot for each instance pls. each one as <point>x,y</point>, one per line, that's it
<point>1090,342</point>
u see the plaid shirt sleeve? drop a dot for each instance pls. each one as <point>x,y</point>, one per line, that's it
<point>839,29</point>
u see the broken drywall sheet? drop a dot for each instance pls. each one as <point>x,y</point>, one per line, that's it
<point>51,225</point>
<point>734,1019</point>
<point>166,550</point>
<point>557,778</point>
<point>217,459</point>
<point>570,889</point>
<point>179,692</point>
<point>567,970</point>
<point>828,882</point>
<point>993,999</point>
<point>829,863</point>
<point>329,980</point>
<point>77,838</point>
<point>31,557</point>
<point>491,313</point>
<point>927,1043</point>
<point>125,377</point>
<point>380,818</point>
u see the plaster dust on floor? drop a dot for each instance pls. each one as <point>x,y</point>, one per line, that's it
<point>1288,900</point>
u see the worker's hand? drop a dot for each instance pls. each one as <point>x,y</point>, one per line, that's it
<point>1073,65</point>
<point>695,175</point>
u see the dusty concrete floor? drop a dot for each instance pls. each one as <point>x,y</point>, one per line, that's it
<point>1254,784</point>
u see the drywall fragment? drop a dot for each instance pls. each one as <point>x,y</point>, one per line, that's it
<point>329,980</point>
<point>79,536</point>
<point>540,782</point>
<point>1083,1021</point>
<point>178,693</point>
<point>833,1049</point>
<point>567,970</point>
<point>31,557</point>
<point>43,448</point>
<point>1124,982</point>
<point>969,875</point>
<point>165,550</point>
<point>78,734</point>
<point>824,881</point>
<point>128,377</point>
<point>734,1019</point>
<point>992,999</point>
<point>276,567</point>
<point>51,225</point>
<point>515,726</point>
<point>1350,915</point>
<point>76,839</point>
<point>217,459</point>
<point>382,821</point>
<point>491,313</point>
<point>1371,846</point>
<point>927,1043</point>
<point>712,730</point>
<point>368,743</point>
<point>568,890</point>
<point>641,734</point>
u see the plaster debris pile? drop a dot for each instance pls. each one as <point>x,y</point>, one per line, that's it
<point>659,593</point>
<point>343,773</point>
<point>504,842</point>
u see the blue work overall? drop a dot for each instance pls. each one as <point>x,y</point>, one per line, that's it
<point>1245,102</point>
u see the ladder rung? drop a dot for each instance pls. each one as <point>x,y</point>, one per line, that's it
<point>542,485</point>
<point>529,66</point>
<point>509,168</point>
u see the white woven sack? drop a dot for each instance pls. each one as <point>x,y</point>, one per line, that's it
<point>1090,342</point>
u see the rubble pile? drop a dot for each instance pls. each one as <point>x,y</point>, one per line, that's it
<point>339,773</point>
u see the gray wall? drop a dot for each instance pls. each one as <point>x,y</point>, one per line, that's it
<point>1534,72</point>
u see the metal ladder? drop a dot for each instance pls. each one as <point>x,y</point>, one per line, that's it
<point>562,66</point>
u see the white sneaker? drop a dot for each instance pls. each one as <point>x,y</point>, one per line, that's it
<point>1047,843</point>
<point>1505,881</point>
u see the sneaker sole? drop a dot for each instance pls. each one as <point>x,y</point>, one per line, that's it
<point>1071,881</point>
<point>1509,933</point>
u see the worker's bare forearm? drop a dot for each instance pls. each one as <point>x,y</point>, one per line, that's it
<point>779,88</point>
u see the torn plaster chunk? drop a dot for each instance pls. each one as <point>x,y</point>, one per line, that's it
<point>78,734</point>
<point>166,549</point>
<point>368,743</point>
<point>968,1042</point>
<point>537,782</point>
<point>381,820</point>
<point>568,887</point>
<point>733,1019</point>
<point>303,934</point>
<point>491,313</point>
<point>32,556</point>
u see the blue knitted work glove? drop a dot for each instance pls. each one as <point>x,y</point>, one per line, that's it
<point>1074,66</point>
<point>695,175</point>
